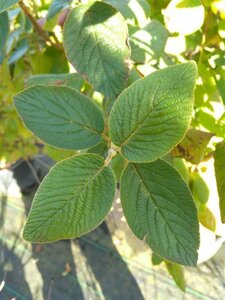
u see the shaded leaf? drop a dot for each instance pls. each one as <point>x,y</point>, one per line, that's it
<point>60,116</point>
<point>73,199</point>
<point>156,260</point>
<point>219,157</point>
<point>152,115</point>
<point>95,40</point>
<point>159,208</point>
<point>4,31</point>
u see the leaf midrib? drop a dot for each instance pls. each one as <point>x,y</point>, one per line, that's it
<point>69,200</point>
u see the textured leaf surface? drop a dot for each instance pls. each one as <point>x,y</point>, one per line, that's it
<point>74,81</point>
<point>56,6</point>
<point>5,4</point>
<point>149,42</point>
<point>95,40</point>
<point>60,116</point>
<point>73,199</point>
<point>219,157</point>
<point>159,208</point>
<point>151,116</point>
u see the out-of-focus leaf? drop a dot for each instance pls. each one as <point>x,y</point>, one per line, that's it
<point>149,42</point>
<point>193,146</point>
<point>180,165</point>
<point>219,157</point>
<point>19,51</point>
<point>199,188</point>
<point>136,12</point>
<point>6,4</point>
<point>206,217</point>
<point>44,61</point>
<point>4,31</point>
<point>56,6</point>
<point>74,81</point>
<point>156,259</point>
<point>101,149</point>
<point>118,164</point>
<point>184,17</point>
<point>177,272</point>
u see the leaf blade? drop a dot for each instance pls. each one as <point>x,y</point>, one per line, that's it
<point>60,116</point>
<point>152,115</point>
<point>159,208</point>
<point>103,61</point>
<point>73,206</point>
<point>6,4</point>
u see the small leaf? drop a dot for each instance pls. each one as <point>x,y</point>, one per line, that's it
<point>56,6</point>
<point>73,199</point>
<point>95,40</point>
<point>206,217</point>
<point>6,4</point>
<point>156,260</point>
<point>219,157</point>
<point>60,116</point>
<point>74,80</point>
<point>159,208</point>
<point>177,272</point>
<point>152,115</point>
<point>199,188</point>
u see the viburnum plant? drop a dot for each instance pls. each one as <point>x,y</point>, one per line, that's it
<point>139,123</point>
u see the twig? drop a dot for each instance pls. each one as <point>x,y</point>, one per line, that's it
<point>37,27</point>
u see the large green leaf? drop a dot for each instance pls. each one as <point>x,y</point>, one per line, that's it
<point>4,31</point>
<point>219,157</point>
<point>73,199</point>
<point>95,40</point>
<point>5,4</point>
<point>152,115</point>
<point>74,80</point>
<point>149,42</point>
<point>60,116</point>
<point>159,208</point>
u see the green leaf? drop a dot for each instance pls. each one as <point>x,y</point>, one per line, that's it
<point>206,217</point>
<point>199,188</point>
<point>4,25</point>
<point>156,260</point>
<point>177,272</point>
<point>136,12</point>
<point>219,157</point>
<point>149,42</point>
<point>60,116</point>
<point>159,208</point>
<point>74,81</point>
<point>56,6</point>
<point>6,4</point>
<point>152,115</point>
<point>95,40</point>
<point>73,199</point>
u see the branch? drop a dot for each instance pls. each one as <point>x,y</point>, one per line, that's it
<point>37,27</point>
